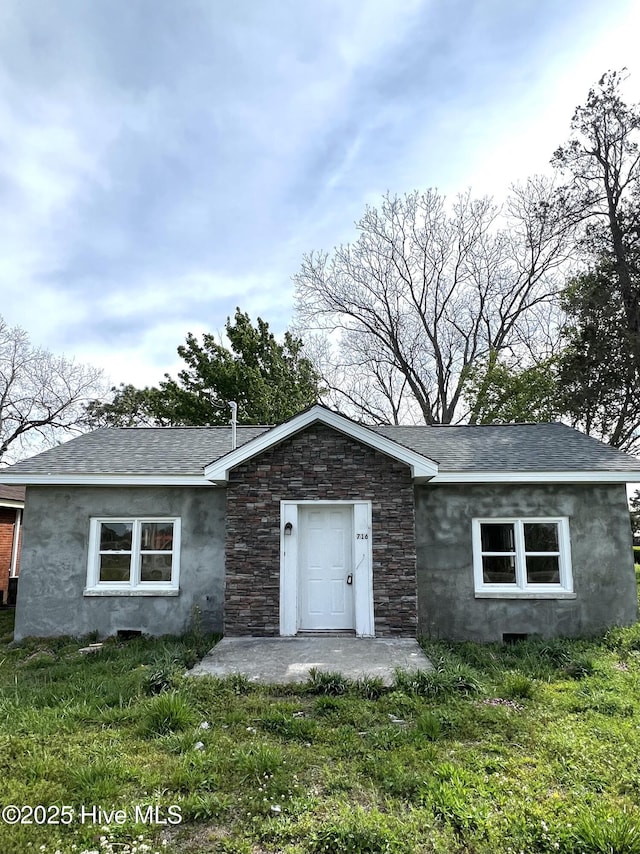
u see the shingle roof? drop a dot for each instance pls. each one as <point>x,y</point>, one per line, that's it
<point>186,450</point>
<point>11,493</point>
<point>137,450</point>
<point>511,447</point>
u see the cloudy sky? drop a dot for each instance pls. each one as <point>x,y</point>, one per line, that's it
<point>163,161</point>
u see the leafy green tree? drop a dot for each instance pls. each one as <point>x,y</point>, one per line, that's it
<point>499,393</point>
<point>598,374</point>
<point>270,382</point>
<point>129,407</point>
<point>592,381</point>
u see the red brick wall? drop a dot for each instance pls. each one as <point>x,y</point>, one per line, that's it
<point>7,522</point>
<point>317,463</point>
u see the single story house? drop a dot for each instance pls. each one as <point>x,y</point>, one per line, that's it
<point>11,507</point>
<point>323,525</point>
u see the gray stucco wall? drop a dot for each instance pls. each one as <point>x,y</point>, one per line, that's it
<point>55,554</point>
<point>602,562</point>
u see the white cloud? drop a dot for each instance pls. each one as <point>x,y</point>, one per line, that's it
<point>162,164</point>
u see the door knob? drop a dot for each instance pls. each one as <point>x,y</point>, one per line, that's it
<point>350,579</point>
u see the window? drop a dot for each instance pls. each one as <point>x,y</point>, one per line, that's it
<point>134,556</point>
<point>522,557</point>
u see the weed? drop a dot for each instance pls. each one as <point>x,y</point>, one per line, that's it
<point>578,668</point>
<point>603,831</point>
<point>161,675</point>
<point>518,685</point>
<point>401,704</point>
<point>238,684</point>
<point>327,706</point>
<point>289,725</point>
<point>369,687</point>
<point>445,681</point>
<point>554,652</point>
<point>166,713</point>
<point>257,761</point>
<point>453,800</point>
<point>428,725</point>
<point>605,702</point>
<point>207,806</point>
<point>396,774</point>
<point>97,783</point>
<point>330,683</point>
<point>357,831</point>
<point>181,742</point>
<point>234,846</point>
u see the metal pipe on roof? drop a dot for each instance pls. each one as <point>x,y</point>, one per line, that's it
<point>234,423</point>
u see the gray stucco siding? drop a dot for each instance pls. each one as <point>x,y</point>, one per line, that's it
<point>55,546</point>
<point>601,558</point>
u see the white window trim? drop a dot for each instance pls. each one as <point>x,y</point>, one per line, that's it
<point>522,590</point>
<point>133,587</point>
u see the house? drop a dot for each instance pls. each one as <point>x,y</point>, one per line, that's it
<point>321,524</point>
<point>11,506</point>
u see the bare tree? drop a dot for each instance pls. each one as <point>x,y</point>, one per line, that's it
<point>599,372</point>
<point>602,162</point>
<point>42,396</point>
<point>427,292</point>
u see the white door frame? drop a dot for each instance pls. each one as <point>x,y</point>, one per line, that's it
<point>362,565</point>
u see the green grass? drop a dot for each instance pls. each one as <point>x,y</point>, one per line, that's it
<point>529,747</point>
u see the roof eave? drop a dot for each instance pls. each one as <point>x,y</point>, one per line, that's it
<point>584,476</point>
<point>123,479</point>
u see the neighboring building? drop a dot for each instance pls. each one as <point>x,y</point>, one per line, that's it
<point>321,524</point>
<point>11,507</point>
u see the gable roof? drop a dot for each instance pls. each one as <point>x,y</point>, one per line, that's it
<point>462,453</point>
<point>421,465</point>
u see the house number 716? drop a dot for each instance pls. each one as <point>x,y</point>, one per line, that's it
<point>362,536</point>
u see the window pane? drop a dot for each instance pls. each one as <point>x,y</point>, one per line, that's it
<point>115,536</point>
<point>497,537</point>
<point>155,568</point>
<point>541,537</point>
<point>115,567</point>
<point>156,536</point>
<point>499,569</point>
<point>543,569</point>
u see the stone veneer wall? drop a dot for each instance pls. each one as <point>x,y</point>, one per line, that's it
<point>317,463</point>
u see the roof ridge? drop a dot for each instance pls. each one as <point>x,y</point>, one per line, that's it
<point>187,427</point>
<point>469,426</point>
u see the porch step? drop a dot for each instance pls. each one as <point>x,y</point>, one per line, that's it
<point>329,633</point>
<point>278,661</point>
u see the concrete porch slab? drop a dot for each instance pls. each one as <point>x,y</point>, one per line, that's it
<point>280,661</point>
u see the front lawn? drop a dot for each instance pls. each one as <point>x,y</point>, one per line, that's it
<point>533,747</point>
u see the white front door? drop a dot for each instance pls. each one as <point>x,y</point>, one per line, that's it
<point>325,568</point>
